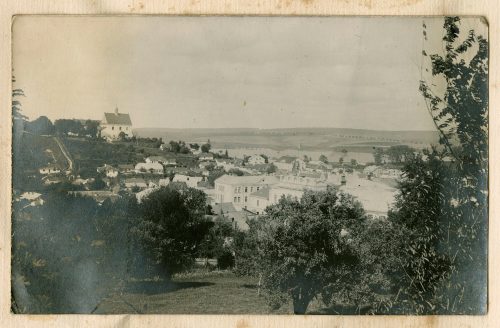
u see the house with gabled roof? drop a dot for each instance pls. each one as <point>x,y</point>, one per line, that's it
<point>115,123</point>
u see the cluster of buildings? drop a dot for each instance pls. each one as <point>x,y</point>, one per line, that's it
<point>246,189</point>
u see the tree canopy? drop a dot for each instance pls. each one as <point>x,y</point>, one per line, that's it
<point>173,226</point>
<point>305,246</point>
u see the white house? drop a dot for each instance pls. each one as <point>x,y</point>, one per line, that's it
<point>206,157</point>
<point>135,182</point>
<point>113,124</point>
<point>237,189</point>
<point>256,159</point>
<point>259,200</point>
<point>50,169</point>
<point>155,168</point>
<point>156,159</point>
<point>110,171</point>
<point>191,182</point>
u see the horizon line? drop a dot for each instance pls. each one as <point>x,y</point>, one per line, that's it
<point>280,128</point>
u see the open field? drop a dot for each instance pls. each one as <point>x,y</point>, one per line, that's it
<point>305,138</point>
<point>207,293</point>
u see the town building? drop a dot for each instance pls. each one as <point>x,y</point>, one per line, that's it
<point>256,159</point>
<point>237,189</point>
<point>98,195</point>
<point>294,186</point>
<point>108,170</point>
<point>206,157</point>
<point>290,163</point>
<point>259,200</point>
<point>135,182</point>
<point>191,182</point>
<point>126,168</point>
<point>154,168</point>
<point>156,159</point>
<point>115,123</point>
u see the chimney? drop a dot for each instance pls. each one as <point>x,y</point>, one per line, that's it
<point>116,110</point>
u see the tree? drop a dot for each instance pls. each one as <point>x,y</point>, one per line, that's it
<point>341,160</point>
<point>378,155</point>
<point>305,247</point>
<point>214,175</point>
<point>214,243</point>
<point>173,226</point>
<point>40,126</point>
<point>16,104</point>
<point>443,203</point>
<point>92,128</point>
<point>66,126</point>
<point>122,136</point>
<point>271,168</point>
<point>174,146</point>
<point>97,184</point>
<point>354,162</point>
<point>205,148</point>
<point>194,146</point>
<point>323,159</point>
<point>399,154</point>
<point>236,171</point>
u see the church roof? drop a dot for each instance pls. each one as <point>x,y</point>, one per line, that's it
<point>117,118</point>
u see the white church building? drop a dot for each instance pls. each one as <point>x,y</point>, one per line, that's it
<point>114,123</point>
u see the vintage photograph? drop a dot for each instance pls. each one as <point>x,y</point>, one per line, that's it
<point>249,165</point>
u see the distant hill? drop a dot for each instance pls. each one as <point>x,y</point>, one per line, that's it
<point>305,138</point>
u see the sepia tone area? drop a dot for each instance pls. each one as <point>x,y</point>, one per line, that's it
<point>165,165</point>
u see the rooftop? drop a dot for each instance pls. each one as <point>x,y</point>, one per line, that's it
<point>248,179</point>
<point>117,118</point>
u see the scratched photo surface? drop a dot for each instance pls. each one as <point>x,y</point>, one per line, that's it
<point>249,165</point>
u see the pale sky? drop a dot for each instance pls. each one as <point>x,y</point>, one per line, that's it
<point>221,72</point>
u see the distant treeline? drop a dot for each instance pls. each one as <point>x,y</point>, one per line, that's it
<point>44,126</point>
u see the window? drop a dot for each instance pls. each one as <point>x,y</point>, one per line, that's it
<point>239,199</point>
<point>120,128</point>
<point>251,189</point>
<point>235,199</point>
<point>258,188</point>
<point>112,128</point>
<point>246,189</point>
<point>257,205</point>
<point>246,199</point>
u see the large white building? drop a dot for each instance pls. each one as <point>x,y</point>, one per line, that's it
<point>113,124</point>
<point>237,189</point>
<point>294,186</point>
